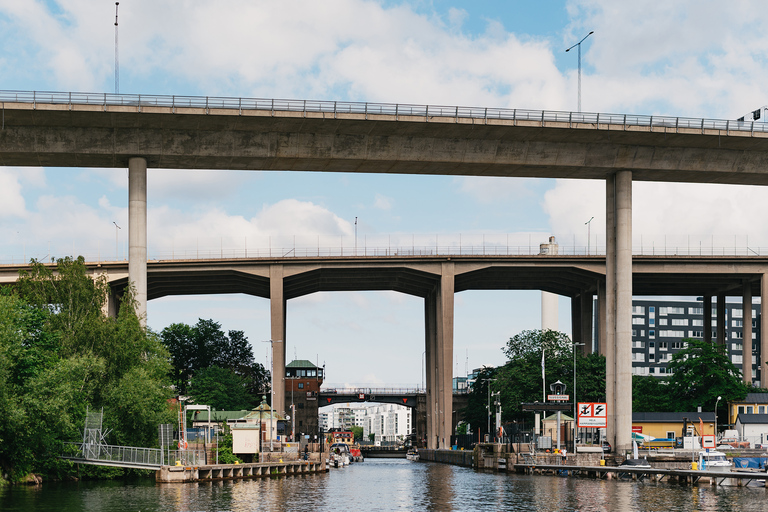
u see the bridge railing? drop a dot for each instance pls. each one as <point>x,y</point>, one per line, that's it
<point>131,456</point>
<point>393,109</point>
<point>373,391</point>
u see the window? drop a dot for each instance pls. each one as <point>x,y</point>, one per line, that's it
<point>671,435</point>
<point>760,409</point>
<point>737,346</point>
<point>651,344</point>
<point>679,321</point>
<point>651,309</point>
<point>672,334</point>
<point>741,409</point>
<point>638,357</point>
<point>697,322</point>
<point>695,334</point>
<point>301,385</point>
<point>651,321</point>
<point>736,359</point>
<point>638,320</point>
<point>737,323</point>
<point>750,410</point>
<point>737,313</point>
<point>652,334</point>
<point>638,344</point>
<point>673,311</point>
<point>638,310</point>
<point>695,311</point>
<point>662,321</point>
<point>663,345</point>
<point>678,345</point>
<point>651,357</point>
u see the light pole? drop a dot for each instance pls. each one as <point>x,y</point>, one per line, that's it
<point>271,391</point>
<point>117,254</point>
<point>589,233</point>
<point>716,402</point>
<point>575,410</point>
<point>579,45</point>
<point>355,236</point>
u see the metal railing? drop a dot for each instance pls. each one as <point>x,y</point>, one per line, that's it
<point>131,456</point>
<point>426,112</point>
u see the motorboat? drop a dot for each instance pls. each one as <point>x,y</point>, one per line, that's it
<point>636,463</point>
<point>340,456</point>
<point>412,454</point>
<point>713,459</point>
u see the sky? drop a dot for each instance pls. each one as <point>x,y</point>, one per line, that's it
<point>693,58</point>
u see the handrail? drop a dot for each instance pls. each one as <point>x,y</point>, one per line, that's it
<point>416,112</point>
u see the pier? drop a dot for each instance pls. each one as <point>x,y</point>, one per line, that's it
<point>182,474</point>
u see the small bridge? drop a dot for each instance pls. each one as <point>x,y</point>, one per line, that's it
<point>400,396</point>
<point>97,454</point>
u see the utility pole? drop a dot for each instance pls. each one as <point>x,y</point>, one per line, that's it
<point>117,60</point>
<point>579,45</point>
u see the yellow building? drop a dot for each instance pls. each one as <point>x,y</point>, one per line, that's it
<point>754,403</point>
<point>671,425</point>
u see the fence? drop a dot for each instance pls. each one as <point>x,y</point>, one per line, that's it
<point>130,456</point>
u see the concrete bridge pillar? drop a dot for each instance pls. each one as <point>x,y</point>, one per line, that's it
<point>619,308</point>
<point>277,321</point>
<point>439,359</point>
<point>601,326</point>
<point>137,233</point>
<point>707,318</point>
<point>586,322</point>
<point>721,319</point>
<point>746,330</point>
<point>444,369</point>
<point>623,339</point>
<point>608,345</point>
<point>763,375</point>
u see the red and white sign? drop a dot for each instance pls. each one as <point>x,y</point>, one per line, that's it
<point>637,430</point>
<point>592,415</point>
<point>708,441</point>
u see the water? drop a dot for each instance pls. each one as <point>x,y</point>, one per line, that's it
<point>384,485</point>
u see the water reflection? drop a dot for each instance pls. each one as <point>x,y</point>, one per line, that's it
<point>385,485</point>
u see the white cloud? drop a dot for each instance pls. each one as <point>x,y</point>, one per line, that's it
<point>382,202</point>
<point>12,202</point>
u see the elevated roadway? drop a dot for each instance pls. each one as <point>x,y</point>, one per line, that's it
<point>138,131</point>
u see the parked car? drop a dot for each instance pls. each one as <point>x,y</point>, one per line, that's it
<point>606,447</point>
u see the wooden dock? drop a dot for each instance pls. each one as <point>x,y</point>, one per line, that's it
<point>180,474</point>
<point>711,476</point>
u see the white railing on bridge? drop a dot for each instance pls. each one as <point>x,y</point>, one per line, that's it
<point>131,456</point>
<point>394,246</point>
<point>426,112</point>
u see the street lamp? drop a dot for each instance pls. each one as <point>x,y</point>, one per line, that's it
<point>117,256</point>
<point>575,411</point>
<point>589,233</point>
<point>716,402</point>
<point>579,45</point>
<point>272,392</point>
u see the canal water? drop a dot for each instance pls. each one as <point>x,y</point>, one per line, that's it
<point>384,485</point>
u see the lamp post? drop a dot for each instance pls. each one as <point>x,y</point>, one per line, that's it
<point>579,45</point>
<point>589,234</point>
<point>716,402</point>
<point>117,254</point>
<point>575,410</point>
<point>271,391</point>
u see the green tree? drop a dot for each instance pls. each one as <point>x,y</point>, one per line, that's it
<point>700,373</point>
<point>205,345</point>
<point>358,433</point>
<point>651,394</point>
<point>533,341</point>
<point>221,388</point>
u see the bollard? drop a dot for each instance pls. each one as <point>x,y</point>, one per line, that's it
<point>178,463</point>
<point>602,462</point>
<point>694,466</point>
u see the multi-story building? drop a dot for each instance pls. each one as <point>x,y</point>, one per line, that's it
<point>659,328</point>
<point>388,422</point>
<point>302,385</point>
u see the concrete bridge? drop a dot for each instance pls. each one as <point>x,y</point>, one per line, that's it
<point>103,130</point>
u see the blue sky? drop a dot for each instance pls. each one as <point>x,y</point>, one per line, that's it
<point>687,58</point>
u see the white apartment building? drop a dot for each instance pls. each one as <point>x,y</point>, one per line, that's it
<point>387,422</point>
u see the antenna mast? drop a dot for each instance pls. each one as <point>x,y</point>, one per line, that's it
<point>117,60</point>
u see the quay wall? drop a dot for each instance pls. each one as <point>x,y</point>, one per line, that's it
<point>456,457</point>
<point>181,474</point>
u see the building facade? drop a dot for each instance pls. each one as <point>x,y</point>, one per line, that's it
<point>659,328</point>
<point>302,385</point>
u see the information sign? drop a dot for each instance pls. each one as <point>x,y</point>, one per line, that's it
<point>592,415</point>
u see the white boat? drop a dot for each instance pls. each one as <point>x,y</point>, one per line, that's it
<point>713,459</point>
<point>412,454</point>
<point>339,456</point>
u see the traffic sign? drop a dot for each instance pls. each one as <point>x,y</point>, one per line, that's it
<point>592,415</point>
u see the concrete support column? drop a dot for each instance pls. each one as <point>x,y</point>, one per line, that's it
<point>576,318</point>
<point>721,319</point>
<point>549,310</point>
<point>277,321</point>
<point>444,368</point>
<point>601,326</point>
<point>586,323</point>
<point>608,343</point>
<point>707,318</point>
<point>746,330</point>
<point>137,233</point>
<point>430,348</point>
<point>763,330</point>
<point>623,341</point>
